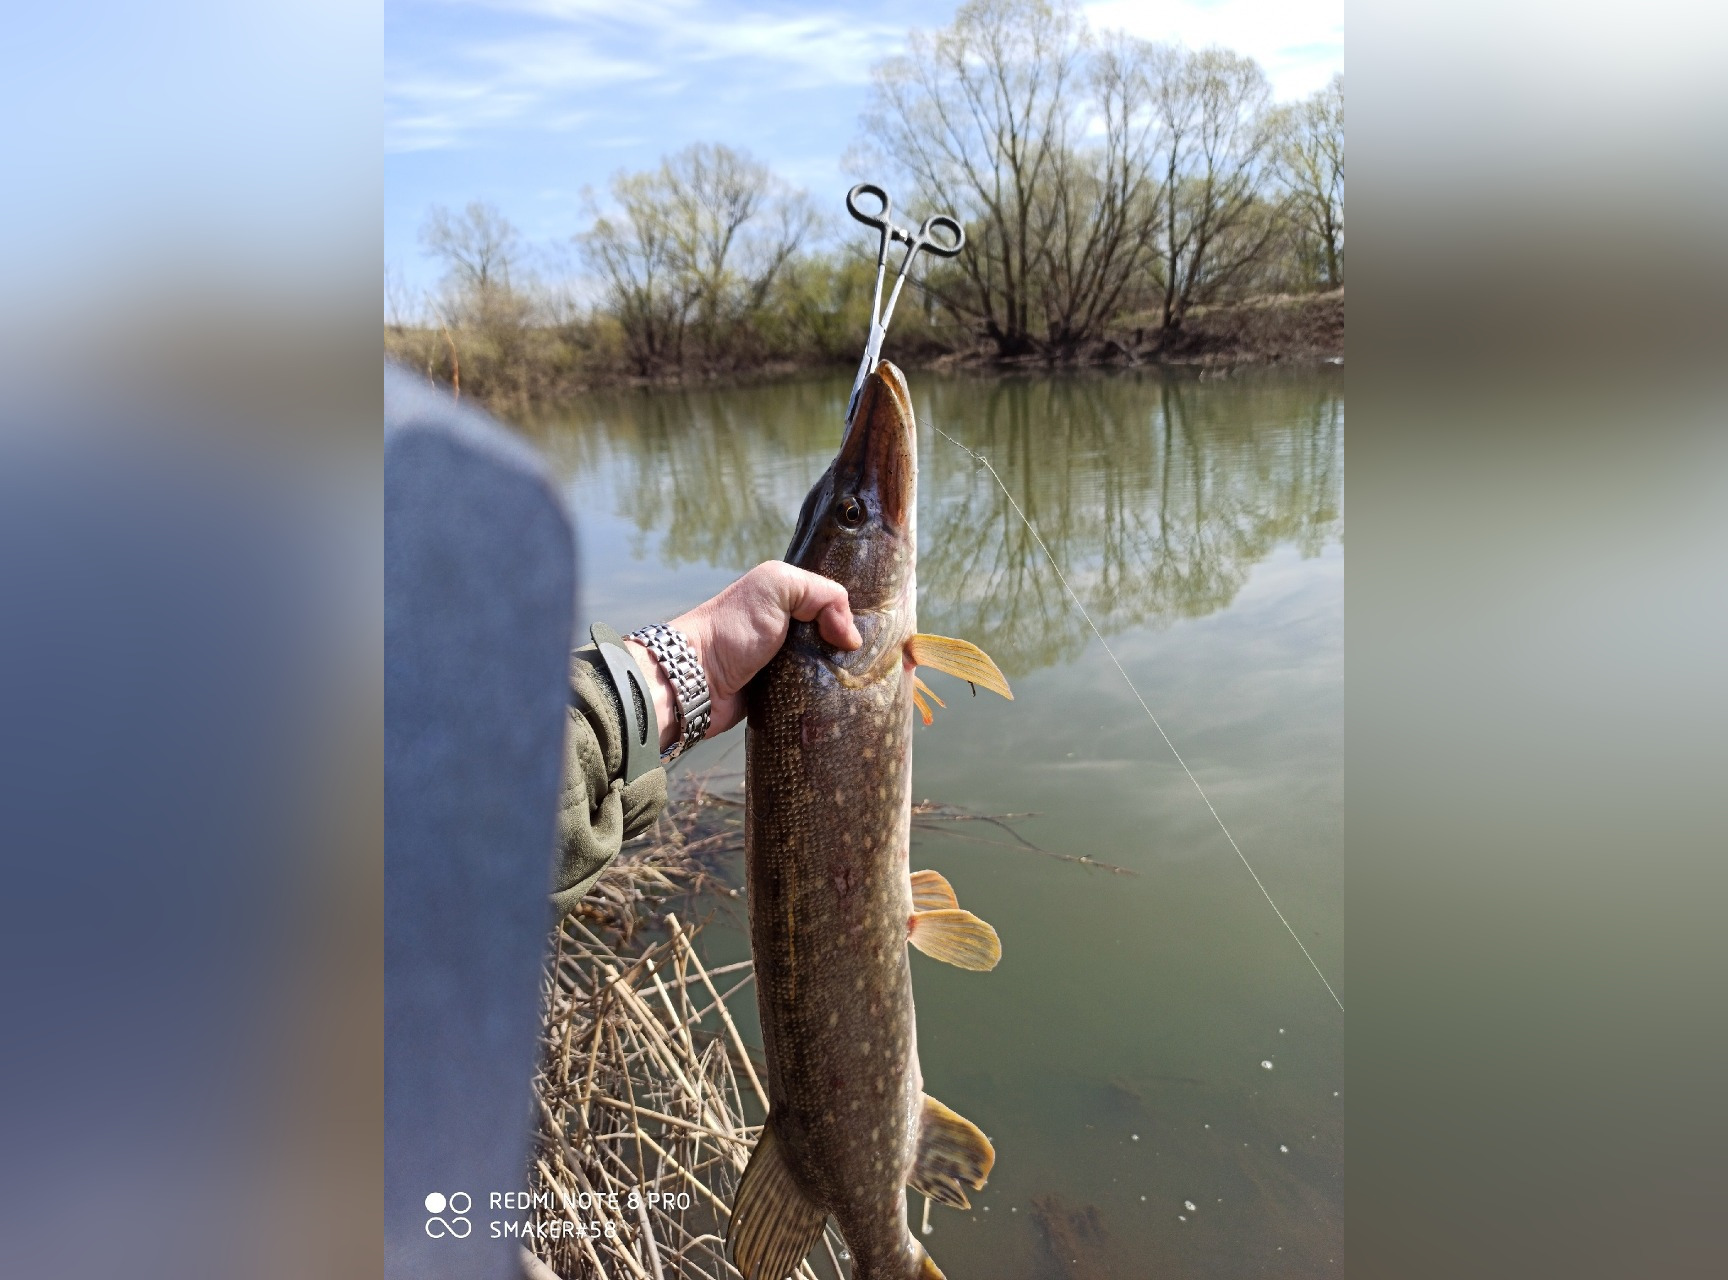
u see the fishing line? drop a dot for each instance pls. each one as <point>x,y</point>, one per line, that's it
<point>1063,579</point>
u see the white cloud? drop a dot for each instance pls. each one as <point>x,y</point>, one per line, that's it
<point>425,112</point>
<point>1299,42</point>
<point>650,44</point>
<point>559,53</point>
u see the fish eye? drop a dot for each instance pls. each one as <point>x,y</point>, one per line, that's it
<point>850,512</point>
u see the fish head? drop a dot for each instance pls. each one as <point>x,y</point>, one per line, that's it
<point>858,525</point>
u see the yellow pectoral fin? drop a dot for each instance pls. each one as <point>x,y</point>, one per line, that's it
<point>956,937</point>
<point>960,659</point>
<point>932,892</point>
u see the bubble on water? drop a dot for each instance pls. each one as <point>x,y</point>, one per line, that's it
<point>986,1208</point>
<point>1283,1148</point>
<point>1181,1217</point>
<point>1205,1126</point>
<point>1267,1064</point>
<point>1188,1205</point>
<point>844,1256</point>
<point>1142,1199</point>
<point>1135,1136</point>
<point>1280,1030</point>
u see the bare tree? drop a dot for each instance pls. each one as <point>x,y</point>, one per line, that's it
<point>486,305</point>
<point>478,247</point>
<point>695,249</point>
<point>979,115</point>
<point>635,257</point>
<point>1310,165</point>
<point>1215,137</point>
<point>1103,202</point>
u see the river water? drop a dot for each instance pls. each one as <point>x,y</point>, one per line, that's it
<point>1118,1055</point>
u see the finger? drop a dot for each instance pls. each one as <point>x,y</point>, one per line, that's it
<point>811,597</point>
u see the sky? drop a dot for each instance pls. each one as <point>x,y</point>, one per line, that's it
<point>527,103</point>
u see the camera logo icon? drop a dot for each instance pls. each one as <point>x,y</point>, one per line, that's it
<point>456,1226</point>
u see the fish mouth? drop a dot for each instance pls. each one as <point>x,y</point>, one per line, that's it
<point>879,458</point>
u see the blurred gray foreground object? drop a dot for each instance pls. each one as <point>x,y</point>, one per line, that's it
<point>479,568</point>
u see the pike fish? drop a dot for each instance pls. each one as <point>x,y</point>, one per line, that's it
<point>832,902</point>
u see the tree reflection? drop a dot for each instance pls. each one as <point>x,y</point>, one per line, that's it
<point>1157,495</point>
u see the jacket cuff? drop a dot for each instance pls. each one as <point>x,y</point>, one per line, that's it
<point>598,810</point>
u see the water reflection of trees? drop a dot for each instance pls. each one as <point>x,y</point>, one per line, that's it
<point>1157,496</point>
<point>717,474</point>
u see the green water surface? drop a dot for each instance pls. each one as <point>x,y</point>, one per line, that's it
<point>1115,1056</point>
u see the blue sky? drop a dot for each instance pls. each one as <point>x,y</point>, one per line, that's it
<point>523,103</point>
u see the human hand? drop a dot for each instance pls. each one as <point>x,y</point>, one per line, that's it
<point>739,630</point>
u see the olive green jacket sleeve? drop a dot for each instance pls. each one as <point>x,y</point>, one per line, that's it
<point>597,812</point>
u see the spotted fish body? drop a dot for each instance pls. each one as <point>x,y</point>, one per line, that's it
<point>832,902</point>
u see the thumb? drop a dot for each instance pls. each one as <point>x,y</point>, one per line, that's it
<point>809,597</point>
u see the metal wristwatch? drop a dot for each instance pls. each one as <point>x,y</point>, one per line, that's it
<point>684,669</point>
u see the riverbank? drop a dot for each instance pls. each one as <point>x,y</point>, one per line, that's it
<point>528,365</point>
<point>1283,329</point>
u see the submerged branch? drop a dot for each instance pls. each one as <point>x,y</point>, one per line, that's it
<point>926,814</point>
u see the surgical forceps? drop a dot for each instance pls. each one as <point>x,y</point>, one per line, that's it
<point>924,238</point>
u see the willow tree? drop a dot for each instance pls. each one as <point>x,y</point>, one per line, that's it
<point>692,251</point>
<point>1310,164</point>
<point>487,292</point>
<point>1102,202</point>
<point>1216,128</point>
<point>1096,176</point>
<point>978,116</point>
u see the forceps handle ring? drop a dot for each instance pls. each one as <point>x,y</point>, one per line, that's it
<point>882,220</point>
<point>928,242</point>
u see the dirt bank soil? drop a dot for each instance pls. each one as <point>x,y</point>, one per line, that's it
<point>546,365</point>
<point>1280,329</point>
<point>1265,330</point>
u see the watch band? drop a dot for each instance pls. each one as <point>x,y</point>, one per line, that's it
<point>636,720</point>
<point>684,669</point>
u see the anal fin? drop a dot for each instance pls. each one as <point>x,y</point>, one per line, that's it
<point>955,937</point>
<point>952,1154</point>
<point>959,658</point>
<point>931,892</point>
<point>774,1223</point>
